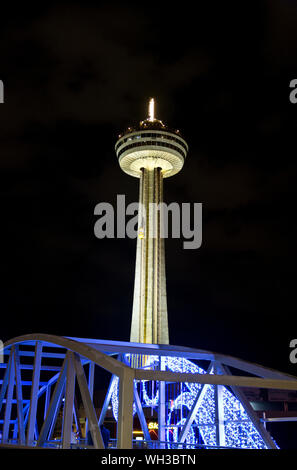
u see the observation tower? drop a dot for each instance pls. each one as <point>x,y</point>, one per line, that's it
<point>151,152</point>
<point>195,397</point>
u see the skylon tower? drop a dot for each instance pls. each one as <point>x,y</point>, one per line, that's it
<point>194,396</point>
<point>151,152</point>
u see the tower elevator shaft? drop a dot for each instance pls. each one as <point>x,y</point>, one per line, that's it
<point>149,317</point>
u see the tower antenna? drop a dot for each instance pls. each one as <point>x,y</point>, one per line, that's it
<point>151,110</point>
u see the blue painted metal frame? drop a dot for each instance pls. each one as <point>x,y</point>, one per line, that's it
<point>24,429</point>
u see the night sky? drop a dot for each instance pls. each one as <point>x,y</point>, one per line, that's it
<point>75,76</point>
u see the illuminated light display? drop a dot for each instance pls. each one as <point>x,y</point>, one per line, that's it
<point>239,429</point>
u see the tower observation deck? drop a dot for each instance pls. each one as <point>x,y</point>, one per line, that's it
<point>151,151</point>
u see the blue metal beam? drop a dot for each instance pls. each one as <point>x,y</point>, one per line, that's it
<point>69,402</point>
<point>88,403</point>
<point>7,414</point>
<point>91,387</point>
<point>34,393</point>
<point>5,380</point>
<point>52,411</point>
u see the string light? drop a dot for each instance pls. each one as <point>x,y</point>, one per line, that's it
<point>239,429</point>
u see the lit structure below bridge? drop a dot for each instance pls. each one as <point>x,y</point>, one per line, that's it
<point>197,400</point>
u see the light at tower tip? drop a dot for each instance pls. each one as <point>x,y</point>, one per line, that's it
<point>151,144</point>
<point>151,110</point>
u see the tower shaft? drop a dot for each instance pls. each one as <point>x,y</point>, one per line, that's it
<point>149,317</point>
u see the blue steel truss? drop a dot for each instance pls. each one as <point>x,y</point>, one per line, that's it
<point>195,406</point>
